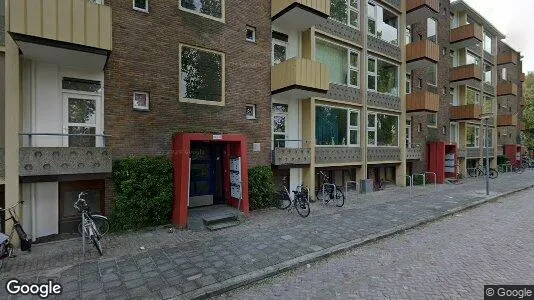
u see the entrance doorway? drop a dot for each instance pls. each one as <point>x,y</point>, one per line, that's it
<point>206,184</point>
<point>69,218</point>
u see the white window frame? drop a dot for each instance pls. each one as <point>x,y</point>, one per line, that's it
<point>375,75</point>
<point>490,137</point>
<point>353,128</point>
<point>253,29</point>
<point>279,43</point>
<point>435,84</point>
<point>476,58</point>
<point>353,68</point>
<point>435,114</point>
<point>145,10</point>
<point>491,74</point>
<point>221,19</point>
<point>408,83</point>
<point>491,43</point>
<point>279,114</point>
<point>504,74</point>
<point>372,16</point>
<point>350,9</point>
<point>477,95</point>
<point>375,129</point>
<point>477,136</point>
<point>253,116</point>
<point>408,133</point>
<point>436,28</point>
<point>456,132</point>
<point>140,108</point>
<point>98,125</point>
<point>408,35</point>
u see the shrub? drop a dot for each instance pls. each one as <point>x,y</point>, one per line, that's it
<point>261,187</point>
<point>143,195</point>
<point>502,160</point>
<point>418,180</point>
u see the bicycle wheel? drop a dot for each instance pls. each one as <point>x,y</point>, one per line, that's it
<point>96,243</point>
<point>493,173</point>
<point>302,205</point>
<point>101,223</point>
<point>339,197</point>
<point>327,193</point>
<point>472,172</point>
<point>283,200</point>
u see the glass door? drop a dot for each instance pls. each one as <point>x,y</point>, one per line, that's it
<point>82,117</point>
<point>408,133</point>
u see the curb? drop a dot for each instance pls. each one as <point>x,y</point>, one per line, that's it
<point>245,279</point>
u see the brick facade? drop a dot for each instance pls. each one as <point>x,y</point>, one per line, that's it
<point>145,57</point>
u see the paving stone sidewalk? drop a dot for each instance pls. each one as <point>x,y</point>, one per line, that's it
<point>177,264</point>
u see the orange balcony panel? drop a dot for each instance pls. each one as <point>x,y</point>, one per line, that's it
<point>508,58</point>
<point>418,11</point>
<point>412,5</point>
<point>421,53</point>
<point>506,120</point>
<point>466,35</point>
<point>466,72</point>
<point>422,101</point>
<point>466,112</point>
<point>506,88</point>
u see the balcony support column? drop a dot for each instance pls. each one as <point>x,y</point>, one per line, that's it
<point>401,168</point>
<point>308,140</point>
<point>12,109</point>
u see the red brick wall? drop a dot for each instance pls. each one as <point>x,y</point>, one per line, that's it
<point>145,57</point>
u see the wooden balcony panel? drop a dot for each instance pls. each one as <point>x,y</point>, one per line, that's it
<point>413,5</point>
<point>466,72</point>
<point>422,101</point>
<point>466,33</point>
<point>506,88</point>
<point>466,112</point>
<point>507,58</point>
<point>299,73</point>
<point>506,120</point>
<point>422,50</point>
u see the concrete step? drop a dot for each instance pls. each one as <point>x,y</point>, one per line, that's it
<point>216,218</point>
<point>222,225</point>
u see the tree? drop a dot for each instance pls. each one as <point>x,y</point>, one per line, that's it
<point>528,110</point>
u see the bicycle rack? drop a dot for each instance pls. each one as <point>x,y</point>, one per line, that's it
<point>411,185</point>
<point>476,172</point>
<point>435,179</point>
<point>324,185</point>
<point>83,236</point>
<point>355,183</point>
<point>422,174</point>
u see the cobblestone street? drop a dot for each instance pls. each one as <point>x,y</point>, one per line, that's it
<point>449,259</point>
<point>182,263</point>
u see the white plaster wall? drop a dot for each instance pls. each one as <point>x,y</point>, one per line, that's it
<point>295,178</point>
<point>2,97</point>
<point>293,49</point>
<point>46,208</point>
<point>293,130</point>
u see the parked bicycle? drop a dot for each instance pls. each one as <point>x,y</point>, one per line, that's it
<point>300,200</point>
<point>480,171</point>
<point>101,222</point>
<point>6,247</point>
<point>518,166</point>
<point>90,228</point>
<point>328,191</point>
<point>378,184</point>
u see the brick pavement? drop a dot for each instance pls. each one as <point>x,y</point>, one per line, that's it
<point>178,263</point>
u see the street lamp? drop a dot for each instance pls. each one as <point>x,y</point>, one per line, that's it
<point>486,118</point>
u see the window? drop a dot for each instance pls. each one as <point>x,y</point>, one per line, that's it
<point>488,74</point>
<point>504,75</point>
<point>383,76</point>
<point>82,119</point>
<point>141,101</point>
<point>472,96</point>
<point>408,133</point>
<point>419,83</point>
<point>488,105</point>
<point>408,83</point>
<point>408,34</point>
<point>346,12</point>
<point>382,130</point>
<point>251,34</point>
<point>489,142</point>
<point>344,63</point>
<point>432,30</point>
<point>279,124</point>
<point>488,43</point>
<point>382,24</point>
<point>213,9</point>
<point>454,133</point>
<point>201,76</point>
<point>140,5</point>
<point>336,126</point>
<point>250,111</point>
<point>279,44</point>
<point>454,59</point>
<point>472,136</point>
<point>431,75</point>
<point>471,59</point>
<point>432,120</point>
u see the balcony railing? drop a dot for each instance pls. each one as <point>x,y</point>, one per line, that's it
<point>508,58</point>
<point>465,112</point>
<point>299,74</point>
<point>420,10</point>
<point>421,54</point>
<point>422,101</point>
<point>78,22</point>
<point>299,14</point>
<point>506,120</point>
<point>466,35</point>
<point>466,72</point>
<point>414,153</point>
<point>291,152</point>
<point>506,88</point>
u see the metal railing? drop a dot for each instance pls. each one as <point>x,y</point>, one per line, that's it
<point>300,143</point>
<point>31,134</point>
<point>411,185</point>
<point>355,183</point>
<point>435,179</point>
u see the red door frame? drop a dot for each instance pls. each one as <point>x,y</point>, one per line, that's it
<point>234,145</point>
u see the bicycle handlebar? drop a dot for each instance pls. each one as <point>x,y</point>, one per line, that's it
<point>13,206</point>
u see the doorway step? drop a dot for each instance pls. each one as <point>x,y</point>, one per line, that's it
<point>221,220</point>
<point>214,217</point>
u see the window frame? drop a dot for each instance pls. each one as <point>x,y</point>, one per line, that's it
<point>490,74</point>
<point>435,114</point>
<point>253,29</point>
<point>349,9</point>
<point>435,84</point>
<point>504,74</point>
<point>490,137</point>
<point>435,39</point>
<point>254,112</point>
<point>409,83</point>
<point>456,132</point>
<point>484,43</point>
<point>145,10</point>
<point>223,78</point>
<point>349,66</point>
<point>222,19</point>
<point>279,43</point>
<point>476,135</point>
<point>477,95</point>
<point>374,17</point>
<point>348,126</point>
<point>141,108</point>
<point>279,114</point>
<point>375,129</point>
<point>375,74</point>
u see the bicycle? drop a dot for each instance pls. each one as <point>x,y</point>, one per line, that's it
<point>480,171</point>
<point>101,222</point>
<point>518,166</point>
<point>329,191</point>
<point>89,227</point>
<point>300,201</point>
<point>378,185</point>
<point>6,247</point>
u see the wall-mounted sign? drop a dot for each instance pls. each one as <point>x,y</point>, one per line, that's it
<point>217,137</point>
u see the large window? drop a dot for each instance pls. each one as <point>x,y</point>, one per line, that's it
<point>408,35</point>
<point>201,75</point>
<point>279,124</point>
<point>488,74</point>
<point>336,126</point>
<point>454,133</point>
<point>382,76</point>
<point>213,9</point>
<point>489,143</point>
<point>279,47</point>
<point>472,96</point>
<point>471,59</point>
<point>344,63</point>
<point>382,130</point>
<point>432,30</point>
<point>472,136</point>
<point>488,43</point>
<point>431,74</point>
<point>382,23</point>
<point>346,12</point>
<point>432,120</point>
<point>504,74</point>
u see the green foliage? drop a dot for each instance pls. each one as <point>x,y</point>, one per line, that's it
<point>528,111</point>
<point>143,193</point>
<point>338,10</point>
<point>501,160</point>
<point>418,180</point>
<point>261,187</point>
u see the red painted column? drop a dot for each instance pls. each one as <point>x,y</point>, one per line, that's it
<point>244,175</point>
<point>180,156</point>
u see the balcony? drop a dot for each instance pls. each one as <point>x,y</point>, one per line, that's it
<point>420,10</point>
<point>506,120</point>
<point>466,74</point>
<point>299,78</point>
<point>422,101</point>
<point>75,33</point>
<point>466,35</point>
<point>521,126</point>
<point>508,58</point>
<point>465,112</point>
<point>414,153</point>
<point>337,155</point>
<point>506,88</point>
<point>299,15</point>
<point>421,54</point>
<point>522,77</point>
<point>291,156</point>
